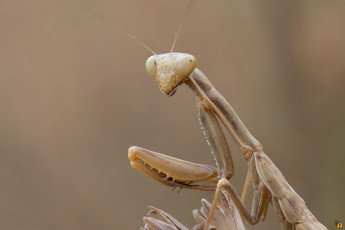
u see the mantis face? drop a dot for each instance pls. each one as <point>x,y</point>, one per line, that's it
<point>170,70</point>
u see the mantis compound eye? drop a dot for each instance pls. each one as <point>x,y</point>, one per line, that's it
<point>151,66</point>
<point>185,65</point>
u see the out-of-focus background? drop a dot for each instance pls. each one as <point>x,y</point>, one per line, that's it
<point>74,96</point>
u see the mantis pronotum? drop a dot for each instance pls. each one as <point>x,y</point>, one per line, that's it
<point>173,69</point>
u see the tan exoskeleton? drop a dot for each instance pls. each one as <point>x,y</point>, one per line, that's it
<point>173,69</point>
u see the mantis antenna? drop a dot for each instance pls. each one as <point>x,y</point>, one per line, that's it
<point>137,40</point>
<point>134,38</point>
<point>180,27</point>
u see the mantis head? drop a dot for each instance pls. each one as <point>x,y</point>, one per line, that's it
<point>170,70</point>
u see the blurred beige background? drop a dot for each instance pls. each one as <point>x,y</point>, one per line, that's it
<point>74,95</point>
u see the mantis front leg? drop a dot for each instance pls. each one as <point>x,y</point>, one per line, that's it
<point>179,173</point>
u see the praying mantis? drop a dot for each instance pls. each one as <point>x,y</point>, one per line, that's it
<point>170,70</point>
<point>173,69</point>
